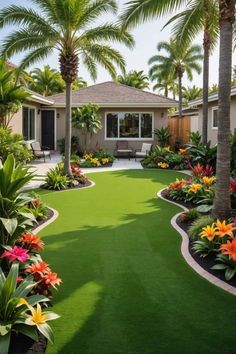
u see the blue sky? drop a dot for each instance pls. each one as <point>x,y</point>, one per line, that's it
<point>146,36</point>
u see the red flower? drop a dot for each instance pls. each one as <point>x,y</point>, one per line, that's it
<point>33,242</point>
<point>233,186</point>
<point>36,202</point>
<point>40,268</point>
<point>229,248</point>
<point>51,279</point>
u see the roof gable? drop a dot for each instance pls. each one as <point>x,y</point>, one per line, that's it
<point>108,94</point>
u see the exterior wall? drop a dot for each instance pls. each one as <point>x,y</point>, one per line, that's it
<point>99,141</point>
<point>16,123</point>
<point>212,132</point>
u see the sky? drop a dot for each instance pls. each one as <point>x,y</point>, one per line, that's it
<point>146,37</point>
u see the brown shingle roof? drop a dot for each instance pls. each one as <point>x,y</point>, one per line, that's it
<point>108,94</point>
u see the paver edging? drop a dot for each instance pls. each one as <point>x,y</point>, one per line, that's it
<point>188,257</point>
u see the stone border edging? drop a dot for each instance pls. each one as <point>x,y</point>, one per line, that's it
<point>187,256</point>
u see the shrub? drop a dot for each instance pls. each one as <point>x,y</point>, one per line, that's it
<point>56,180</point>
<point>163,136</point>
<point>94,158</point>
<point>13,144</point>
<point>38,208</point>
<point>190,215</point>
<point>165,158</point>
<point>75,146</point>
<point>198,224</point>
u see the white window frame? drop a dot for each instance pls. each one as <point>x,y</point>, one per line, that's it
<point>35,121</point>
<point>130,139</point>
<point>215,108</point>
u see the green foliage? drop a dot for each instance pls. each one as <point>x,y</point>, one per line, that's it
<point>198,224</point>
<point>204,247</point>
<point>46,81</point>
<point>12,94</point>
<point>163,136</point>
<point>87,119</point>
<point>203,154</point>
<point>195,138</point>
<point>166,156</point>
<point>135,79</point>
<point>75,146</point>
<point>15,217</point>
<point>55,180</point>
<point>226,264</point>
<point>11,143</point>
<point>190,215</point>
<point>191,93</point>
<point>38,208</point>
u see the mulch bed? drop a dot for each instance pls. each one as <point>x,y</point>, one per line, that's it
<point>21,344</point>
<point>165,195</point>
<point>87,184</point>
<point>107,165</point>
<point>205,262</point>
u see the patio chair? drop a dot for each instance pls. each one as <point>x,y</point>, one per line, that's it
<point>40,152</point>
<point>122,148</point>
<point>144,152</point>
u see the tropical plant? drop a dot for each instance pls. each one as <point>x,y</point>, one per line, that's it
<point>87,120</point>
<point>222,201</point>
<point>214,88</point>
<point>55,179</point>
<point>46,81</point>
<point>135,79</point>
<point>11,143</point>
<point>17,312</point>
<point>200,15</point>
<point>37,207</point>
<point>198,225</point>
<point>164,84</point>
<point>163,136</point>
<point>191,93</point>
<point>177,60</point>
<point>12,95</point>
<point>202,154</point>
<point>79,83</point>
<point>68,27</point>
<point>15,217</point>
<point>195,138</point>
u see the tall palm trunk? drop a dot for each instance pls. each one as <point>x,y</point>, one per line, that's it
<point>180,76</point>
<point>206,46</point>
<point>222,204</point>
<point>67,169</point>
<point>166,91</point>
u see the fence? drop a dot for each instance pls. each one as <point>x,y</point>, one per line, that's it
<point>179,128</point>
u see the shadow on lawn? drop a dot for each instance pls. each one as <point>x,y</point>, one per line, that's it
<point>122,294</point>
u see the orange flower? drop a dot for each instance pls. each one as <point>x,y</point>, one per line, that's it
<point>178,184</point>
<point>40,268</point>
<point>195,187</point>
<point>208,181</point>
<point>32,242</point>
<point>209,232</point>
<point>229,248</point>
<point>51,279</point>
<point>224,229</point>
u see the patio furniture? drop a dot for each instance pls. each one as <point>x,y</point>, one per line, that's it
<point>146,148</point>
<point>40,152</point>
<point>122,148</point>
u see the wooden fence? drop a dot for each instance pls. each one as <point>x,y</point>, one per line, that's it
<point>179,128</point>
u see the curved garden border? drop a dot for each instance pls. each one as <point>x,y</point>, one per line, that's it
<point>187,256</point>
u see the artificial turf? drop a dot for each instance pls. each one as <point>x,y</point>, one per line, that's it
<point>126,288</point>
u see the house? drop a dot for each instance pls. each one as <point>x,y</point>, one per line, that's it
<point>212,114</point>
<point>126,113</point>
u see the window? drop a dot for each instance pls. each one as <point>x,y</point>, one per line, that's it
<point>129,125</point>
<point>214,118</point>
<point>28,123</point>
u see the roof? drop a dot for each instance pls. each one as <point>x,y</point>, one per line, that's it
<point>211,98</point>
<point>112,94</point>
<point>36,97</point>
<point>186,112</point>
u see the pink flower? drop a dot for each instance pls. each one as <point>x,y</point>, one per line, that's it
<point>16,253</point>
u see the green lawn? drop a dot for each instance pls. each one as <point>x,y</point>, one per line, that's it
<point>126,288</point>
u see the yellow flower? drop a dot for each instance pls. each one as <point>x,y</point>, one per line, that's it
<point>167,148</point>
<point>163,164</point>
<point>209,232</point>
<point>208,181</point>
<point>195,187</point>
<point>224,229</point>
<point>87,156</point>
<point>182,151</point>
<point>105,161</point>
<point>37,317</point>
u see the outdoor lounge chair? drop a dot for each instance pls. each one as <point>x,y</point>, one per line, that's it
<point>144,152</point>
<point>39,152</point>
<point>122,148</point>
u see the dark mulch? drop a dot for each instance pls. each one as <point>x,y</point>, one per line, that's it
<point>205,262</point>
<point>21,344</point>
<point>107,165</point>
<point>165,194</point>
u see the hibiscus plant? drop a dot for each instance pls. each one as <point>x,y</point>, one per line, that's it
<point>17,312</point>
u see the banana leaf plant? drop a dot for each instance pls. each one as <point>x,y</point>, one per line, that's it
<point>15,217</point>
<point>17,312</point>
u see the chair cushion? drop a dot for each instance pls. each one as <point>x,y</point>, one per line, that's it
<point>41,153</point>
<point>36,146</point>
<point>146,147</point>
<point>140,153</point>
<point>124,150</point>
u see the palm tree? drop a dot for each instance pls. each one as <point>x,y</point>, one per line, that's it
<point>79,83</point>
<point>135,79</point>
<point>200,15</point>
<point>87,119</point>
<point>214,88</point>
<point>12,94</point>
<point>191,93</point>
<point>66,26</point>
<point>163,84</point>
<point>222,203</point>
<point>177,61</point>
<point>46,81</point>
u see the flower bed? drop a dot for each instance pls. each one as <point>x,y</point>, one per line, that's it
<point>165,158</point>
<point>96,158</point>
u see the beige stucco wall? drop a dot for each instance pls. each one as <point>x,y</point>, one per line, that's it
<point>99,141</point>
<point>212,132</point>
<point>16,122</point>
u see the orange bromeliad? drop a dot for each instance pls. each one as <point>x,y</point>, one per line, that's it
<point>224,229</point>
<point>229,248</point>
